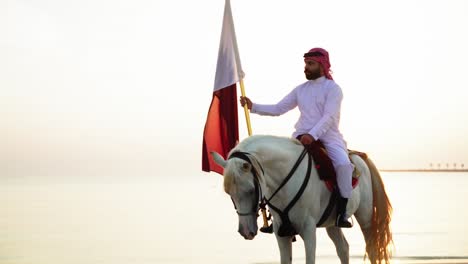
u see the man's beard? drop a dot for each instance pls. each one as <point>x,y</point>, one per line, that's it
<point>312,75</point>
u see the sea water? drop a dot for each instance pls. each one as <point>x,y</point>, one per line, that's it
<point>142,219</point>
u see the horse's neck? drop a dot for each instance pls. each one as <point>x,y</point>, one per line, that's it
<point>315,196</point>
<point>277,169</point>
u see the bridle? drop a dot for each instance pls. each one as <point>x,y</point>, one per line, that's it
<point>258,189</point>
<point>262,201</point>
<point>286,228</point>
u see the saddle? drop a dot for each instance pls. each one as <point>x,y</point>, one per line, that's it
<point>326,172</point>
<point>324,165</point>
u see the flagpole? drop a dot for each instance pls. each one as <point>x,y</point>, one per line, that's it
<point>249,129</point>
<point>246,108</point>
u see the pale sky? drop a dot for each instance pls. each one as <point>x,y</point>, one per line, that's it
<point>89,85</point>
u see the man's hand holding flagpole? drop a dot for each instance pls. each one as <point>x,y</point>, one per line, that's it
<point>246,109</point>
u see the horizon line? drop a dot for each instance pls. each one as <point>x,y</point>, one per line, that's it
<point>424,170</point>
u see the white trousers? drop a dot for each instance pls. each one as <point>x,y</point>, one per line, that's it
<point>343,167</point>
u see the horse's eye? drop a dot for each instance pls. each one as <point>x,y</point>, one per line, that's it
<point>245,166</point>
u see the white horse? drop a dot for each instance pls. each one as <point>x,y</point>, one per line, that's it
<point>269,160</point>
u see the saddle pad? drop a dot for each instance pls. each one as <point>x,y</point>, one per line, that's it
<point>325,168</point>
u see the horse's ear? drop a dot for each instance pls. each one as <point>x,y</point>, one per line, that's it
<point>218,159</point>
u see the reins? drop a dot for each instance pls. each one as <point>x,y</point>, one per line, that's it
<point>286,228</point>
<point>294,168</point>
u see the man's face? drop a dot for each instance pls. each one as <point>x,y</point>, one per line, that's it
<point>312,70</point>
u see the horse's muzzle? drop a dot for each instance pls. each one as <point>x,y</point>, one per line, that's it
<point>249,236</point>
<point>246,233</point>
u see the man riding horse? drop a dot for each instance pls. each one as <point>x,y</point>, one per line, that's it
<point>319,101</point>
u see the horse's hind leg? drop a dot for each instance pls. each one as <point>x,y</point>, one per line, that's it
<point>342,246</point>
<point>370,246</point>
<point>364,219</point>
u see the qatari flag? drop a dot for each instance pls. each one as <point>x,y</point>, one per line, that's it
<point>221,128</point>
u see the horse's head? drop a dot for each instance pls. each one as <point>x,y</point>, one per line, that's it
<point>242,184</point>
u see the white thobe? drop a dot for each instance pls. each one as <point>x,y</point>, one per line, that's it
<point>319,103</point>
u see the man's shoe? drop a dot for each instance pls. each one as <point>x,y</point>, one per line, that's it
<point>267,229</point>
<point>341,220</point>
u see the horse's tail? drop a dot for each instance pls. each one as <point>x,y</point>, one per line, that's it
<point>379,243</point>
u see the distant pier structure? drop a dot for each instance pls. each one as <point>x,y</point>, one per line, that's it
<point>437,167</point>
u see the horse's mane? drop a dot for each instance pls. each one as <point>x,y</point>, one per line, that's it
<point>262,147</point>
<point>266,146</point>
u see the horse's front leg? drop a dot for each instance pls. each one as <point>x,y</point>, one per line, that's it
<point>285,247</point>
<point>309,236</point>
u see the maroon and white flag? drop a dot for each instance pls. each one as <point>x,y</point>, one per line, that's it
<point>221,128</point>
